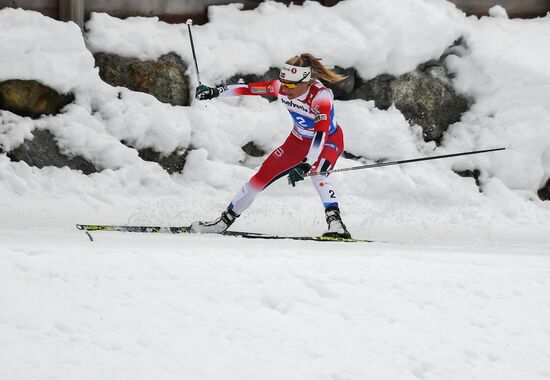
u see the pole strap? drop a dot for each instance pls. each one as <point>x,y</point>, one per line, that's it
<point>389,163</point>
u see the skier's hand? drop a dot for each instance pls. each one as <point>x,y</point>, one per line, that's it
<point>298,173</point>
<point>204,92</point>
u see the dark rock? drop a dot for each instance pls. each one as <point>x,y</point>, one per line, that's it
<point>435,70</point>
<point>544,192</point>
<point>424,96</point>
<point>471,174</point>
<point>253,150</point>
<point>342,90</point>
<point>31,99</point>
<point>164,79</point>
<point>350,156</point>
<point>172,163</point>
<point>43,151</point>
<point>271,74</point>
<point>379,89</point>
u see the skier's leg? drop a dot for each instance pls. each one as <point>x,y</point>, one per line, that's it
<point>244,198</point>
<point>334,146</point>
<point>280,161</point>
<point>323,186</point>
<point>277,164</point>
<point>328,157</point>
<point>336,227</point>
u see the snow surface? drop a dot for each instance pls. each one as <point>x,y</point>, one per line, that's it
<point>197,307</point>
<point>456,288</point>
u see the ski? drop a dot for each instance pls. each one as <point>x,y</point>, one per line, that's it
<point>87,228</point>
<point>142,229</point>
<point>253,235</point>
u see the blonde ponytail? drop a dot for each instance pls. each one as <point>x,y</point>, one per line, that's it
<point>317,68</point>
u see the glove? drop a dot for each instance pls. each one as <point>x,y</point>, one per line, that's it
<point>204,92</point>
<point>298,172</point>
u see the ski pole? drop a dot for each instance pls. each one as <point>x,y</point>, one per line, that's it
<point>403,161</point>
<point>189,23</point>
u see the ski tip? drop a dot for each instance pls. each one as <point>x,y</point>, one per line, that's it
<point>89,235</point>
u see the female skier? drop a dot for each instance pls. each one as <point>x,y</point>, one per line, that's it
<point>314,145</point>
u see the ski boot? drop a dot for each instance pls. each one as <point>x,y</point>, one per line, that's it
<point>336,228</point>
<point>216,226</point>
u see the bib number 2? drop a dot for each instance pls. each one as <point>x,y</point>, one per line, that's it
<point>301,121</point>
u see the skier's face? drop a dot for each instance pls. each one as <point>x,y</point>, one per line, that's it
<point>293,90</point>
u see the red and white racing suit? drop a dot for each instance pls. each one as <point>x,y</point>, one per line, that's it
<point>315,137</point>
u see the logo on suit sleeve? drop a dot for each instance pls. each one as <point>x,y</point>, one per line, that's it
<point>320,117</point>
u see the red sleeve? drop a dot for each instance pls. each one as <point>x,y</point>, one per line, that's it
<point>322,107</point>
<point>256,88</point>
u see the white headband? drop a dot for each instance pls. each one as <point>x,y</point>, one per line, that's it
<point>290,73</point>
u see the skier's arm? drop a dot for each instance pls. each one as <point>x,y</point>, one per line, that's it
<point>258,88</point>
<point>322,106</point>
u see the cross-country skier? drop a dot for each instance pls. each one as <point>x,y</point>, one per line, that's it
<point>314,145</point>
